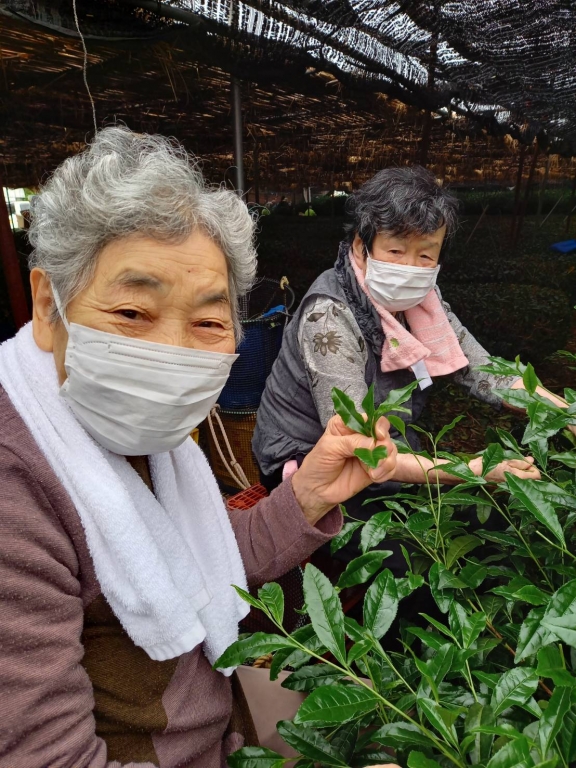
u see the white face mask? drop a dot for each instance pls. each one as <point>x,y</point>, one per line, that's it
<point>138,397</point>
<point>397,287</point>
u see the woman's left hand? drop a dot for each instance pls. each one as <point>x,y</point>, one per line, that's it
<point>331,474</point>
<point>524,468</point>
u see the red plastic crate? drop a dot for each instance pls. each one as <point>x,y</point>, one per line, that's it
<point>248,498</point>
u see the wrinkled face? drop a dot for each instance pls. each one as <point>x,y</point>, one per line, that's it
<point>171,294</point>
<point>411,250</point>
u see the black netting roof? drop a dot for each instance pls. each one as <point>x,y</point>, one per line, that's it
<point>333,90</point>
<point>509,63</point>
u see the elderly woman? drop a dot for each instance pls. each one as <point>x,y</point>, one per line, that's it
<point>118,554</point>
<point>377,318</point>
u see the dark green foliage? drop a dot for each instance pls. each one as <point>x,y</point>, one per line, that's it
<point>512,319</point>
<point>550,270</point>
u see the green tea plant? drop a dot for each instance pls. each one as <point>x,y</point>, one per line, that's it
<point>489,679</point>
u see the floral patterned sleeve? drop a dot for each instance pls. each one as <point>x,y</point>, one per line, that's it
<point>334,353</point>
<point>479,383</point>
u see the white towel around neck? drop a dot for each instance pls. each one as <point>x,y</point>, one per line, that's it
<point>165,562</point>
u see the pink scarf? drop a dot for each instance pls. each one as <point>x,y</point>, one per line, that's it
<point>430,337</point>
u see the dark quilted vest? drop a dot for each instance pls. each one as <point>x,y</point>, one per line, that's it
<point>287,423</point>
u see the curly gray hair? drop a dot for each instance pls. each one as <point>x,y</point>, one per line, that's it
<point>124,184</point>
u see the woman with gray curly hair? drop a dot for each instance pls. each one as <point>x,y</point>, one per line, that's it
<point>118,554</point>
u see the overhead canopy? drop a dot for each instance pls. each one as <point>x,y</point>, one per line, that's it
<point>333,89</point>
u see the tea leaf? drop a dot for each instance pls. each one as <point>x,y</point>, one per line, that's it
<point>449,427</point>
<point>442,599</point>
<point>345,408</point>
<point>310,743</point>
<point>381,604</point>
<point>405,586</point>
<point>461,546</point>
<point>400,735</point>
<point>466,628</point>
<point>355,632</point>
<point>345,739</point>
<point>419,760</point>
<point>480,715</point>
<point>529,379</point>
<point>514,754</point>
<point>564,627</point>
<point>371,456</point>
<point>335,704</point>
<point>428,638</point>
<point>398,424</point>
<point>247,597</point>
<point>375,530</point>
<point>362,568</point>
<point>545,422</point>
<point>325,611</point>
<point>501,367</point>
<point>255,757</point>
<point>515,686</point>
<point>532,635</point>
<point>461,470</point>
<point>492,456</point>
<point>539,449</point>
<point>250,648</point>
<point>568,458</point>
<point>551,664</point>
<point>531,497</point>
<point>440,664</point>
<point>296,658</point>
<point>359,650</point>
<point>311,677</point>
<point>435,714</point>
<point>368,404</point>
<point>551,720</point>
<point>531,594</point>
<point>567,736</point>
<point>396,398</point>
<point>342,538</point>
<point>473,575</point>
<point>273,598</point>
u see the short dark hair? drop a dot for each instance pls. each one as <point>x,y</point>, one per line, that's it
<point>400,201</point>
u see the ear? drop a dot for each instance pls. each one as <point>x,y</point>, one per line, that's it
<point>359,251</point>
<point>43,301</point>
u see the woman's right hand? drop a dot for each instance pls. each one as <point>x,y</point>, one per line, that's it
<point>331,474</point>
<point>523,468</point>
<point>388,765</point>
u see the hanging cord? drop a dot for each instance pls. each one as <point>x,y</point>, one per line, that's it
<point>234,469</point>
<point>85,66</point>
<point>285,286</point>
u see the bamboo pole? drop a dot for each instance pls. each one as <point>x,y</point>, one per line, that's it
<point>527,190</point>
<point>518,187</point>
<point>543,186</point>
<point>236,97</point>
<point>256,169</point>
<point>572,196</point>
<point>484,211</point>
<point>552,209</point>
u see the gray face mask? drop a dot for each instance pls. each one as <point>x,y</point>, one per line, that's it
<point>136,397</point>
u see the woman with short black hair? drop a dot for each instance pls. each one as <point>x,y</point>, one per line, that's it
<point>377,318</point>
